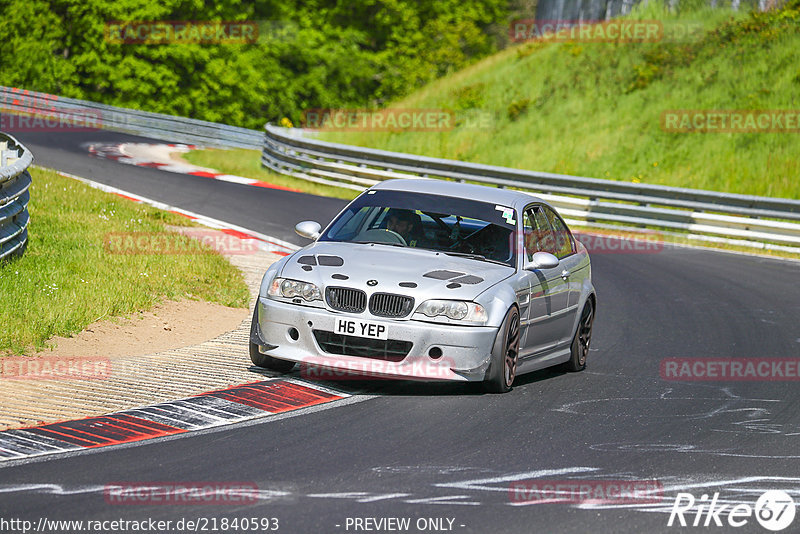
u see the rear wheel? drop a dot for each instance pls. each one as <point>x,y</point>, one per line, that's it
<point>505,354</point>
<point>579,349</point>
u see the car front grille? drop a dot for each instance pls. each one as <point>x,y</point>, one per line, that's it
<point>393,350</point>
<point>389,305</point>
<point>346,299</point>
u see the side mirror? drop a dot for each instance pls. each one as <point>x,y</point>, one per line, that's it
<point>541,260</point>
<point>308,229</point>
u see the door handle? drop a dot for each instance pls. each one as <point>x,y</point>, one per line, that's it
<point>565,274</point>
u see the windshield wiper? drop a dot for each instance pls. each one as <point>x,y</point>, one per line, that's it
<point>380,243</point>
<point>475,257</point>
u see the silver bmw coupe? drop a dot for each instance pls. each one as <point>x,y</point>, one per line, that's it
<point>430,280</point>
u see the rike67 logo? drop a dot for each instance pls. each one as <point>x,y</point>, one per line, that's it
<point>774,510</point>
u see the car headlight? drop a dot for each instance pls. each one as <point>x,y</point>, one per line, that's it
<point>283,287</point>
<point>456,310</point>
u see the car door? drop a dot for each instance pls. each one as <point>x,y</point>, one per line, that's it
<point>573,269</point>
<point>549,291</point>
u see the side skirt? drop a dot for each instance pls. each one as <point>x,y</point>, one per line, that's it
<point>548,359</point>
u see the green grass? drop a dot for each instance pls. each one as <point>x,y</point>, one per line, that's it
<point>66,279</point>
<point>247,163</point>
<point>594,109</point>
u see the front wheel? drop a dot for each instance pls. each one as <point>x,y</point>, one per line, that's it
<point>579,349</point>
<point>268,362</point>
<point>262,360</point>
<point>505,353</point>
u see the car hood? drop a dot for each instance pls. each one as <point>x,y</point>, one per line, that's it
<point>436,275</point>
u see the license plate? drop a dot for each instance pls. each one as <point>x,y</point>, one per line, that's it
<point>351,327</point>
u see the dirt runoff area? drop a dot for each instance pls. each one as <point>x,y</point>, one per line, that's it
<point>170,325</point>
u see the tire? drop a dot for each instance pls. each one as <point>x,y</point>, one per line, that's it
<point>262,360</point>
<point>268,362</point>
<point>505,353</point>
<point>579,349</point>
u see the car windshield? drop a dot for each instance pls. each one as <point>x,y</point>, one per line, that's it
<point>456,226</point>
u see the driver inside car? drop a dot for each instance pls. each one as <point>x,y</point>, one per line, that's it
<point>406,223</point>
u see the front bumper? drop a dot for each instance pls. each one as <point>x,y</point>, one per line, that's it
<point>465,350</point>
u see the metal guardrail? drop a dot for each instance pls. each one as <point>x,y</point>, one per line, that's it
<point>762,222</point>
<point>15,182</point>
<point>29,106</point>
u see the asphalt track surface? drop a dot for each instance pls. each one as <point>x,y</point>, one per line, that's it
<point>416,451</point>
<point>272,212</point>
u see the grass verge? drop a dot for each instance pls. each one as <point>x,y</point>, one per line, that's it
<point>595,109</point>
<point>66,279</point>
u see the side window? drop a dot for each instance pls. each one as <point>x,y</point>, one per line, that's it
<point>538,234</point>
<point>564,242</point>
<point>527,233</point>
